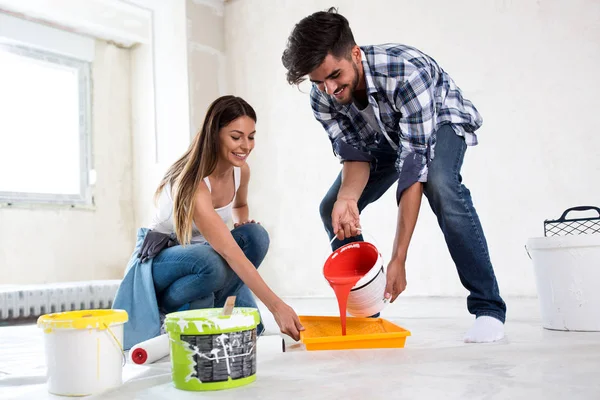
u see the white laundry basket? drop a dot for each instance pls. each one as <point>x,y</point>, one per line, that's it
<point>567,273</point>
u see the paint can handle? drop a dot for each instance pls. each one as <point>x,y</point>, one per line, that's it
<point>119,345</point>
<point>362,232</point>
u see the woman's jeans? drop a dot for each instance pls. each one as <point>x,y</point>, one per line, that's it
<point>196,276</point>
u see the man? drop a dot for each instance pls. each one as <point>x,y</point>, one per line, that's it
<point>393,115</point>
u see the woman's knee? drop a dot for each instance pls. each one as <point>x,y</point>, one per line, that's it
<point>254,241</point>
<point>181,273</point>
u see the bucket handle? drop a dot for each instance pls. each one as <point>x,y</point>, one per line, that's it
<point>527,251</point>
<point>361,232</point>
<point>119,345</point>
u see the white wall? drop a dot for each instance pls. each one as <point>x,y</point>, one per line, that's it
<point>529,66</point>
<point>206,57</point>
<point>53,243</point>
<point>160,102</point>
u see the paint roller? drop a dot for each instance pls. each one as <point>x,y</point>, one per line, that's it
<point>150,350</point>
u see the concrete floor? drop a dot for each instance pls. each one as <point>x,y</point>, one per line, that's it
<point>531,363</point>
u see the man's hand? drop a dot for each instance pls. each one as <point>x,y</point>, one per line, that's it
<point>396,279</point>
<point>408,212</point>
<point>345,218</point>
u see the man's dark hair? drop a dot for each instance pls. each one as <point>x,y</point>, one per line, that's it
<point>313,38</point>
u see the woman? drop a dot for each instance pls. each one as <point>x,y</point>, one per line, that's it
<point>196,260</point>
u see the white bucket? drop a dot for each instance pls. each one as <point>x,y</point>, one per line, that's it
<point>567,273</point>
<point>84,354</point>
<point>367,296</point>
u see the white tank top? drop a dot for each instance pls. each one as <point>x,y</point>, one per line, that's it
<point>163,218</point>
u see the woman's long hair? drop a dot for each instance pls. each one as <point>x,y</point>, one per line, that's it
<point>199,161</point>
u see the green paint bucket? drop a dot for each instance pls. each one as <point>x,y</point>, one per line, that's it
<point>210,351</point>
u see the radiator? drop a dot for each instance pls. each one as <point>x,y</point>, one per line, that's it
<point>30,301</point>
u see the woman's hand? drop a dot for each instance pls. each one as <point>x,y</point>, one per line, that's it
<point>238,224</point>
<point>288,321</point>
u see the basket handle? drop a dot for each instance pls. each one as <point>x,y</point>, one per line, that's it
<point>578,208</point>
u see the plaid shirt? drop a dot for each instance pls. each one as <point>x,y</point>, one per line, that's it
<point>411,98</point>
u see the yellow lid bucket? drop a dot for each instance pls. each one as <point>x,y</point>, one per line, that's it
<point>84,354</point>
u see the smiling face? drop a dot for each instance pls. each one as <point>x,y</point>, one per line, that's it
<point>339,77</point>
<point>237,141</point>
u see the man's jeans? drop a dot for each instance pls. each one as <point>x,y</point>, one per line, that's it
<point>196,276</point>
<point>451,202</point>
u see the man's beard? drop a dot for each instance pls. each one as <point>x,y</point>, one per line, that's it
<point>352,87</point>
<point>355,80</point>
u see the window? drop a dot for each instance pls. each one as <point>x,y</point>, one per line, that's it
<point>45,124</point>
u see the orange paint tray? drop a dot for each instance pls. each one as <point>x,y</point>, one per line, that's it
<point>325,333</point>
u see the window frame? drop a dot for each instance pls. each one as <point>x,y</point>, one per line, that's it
<point>85,196</point>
